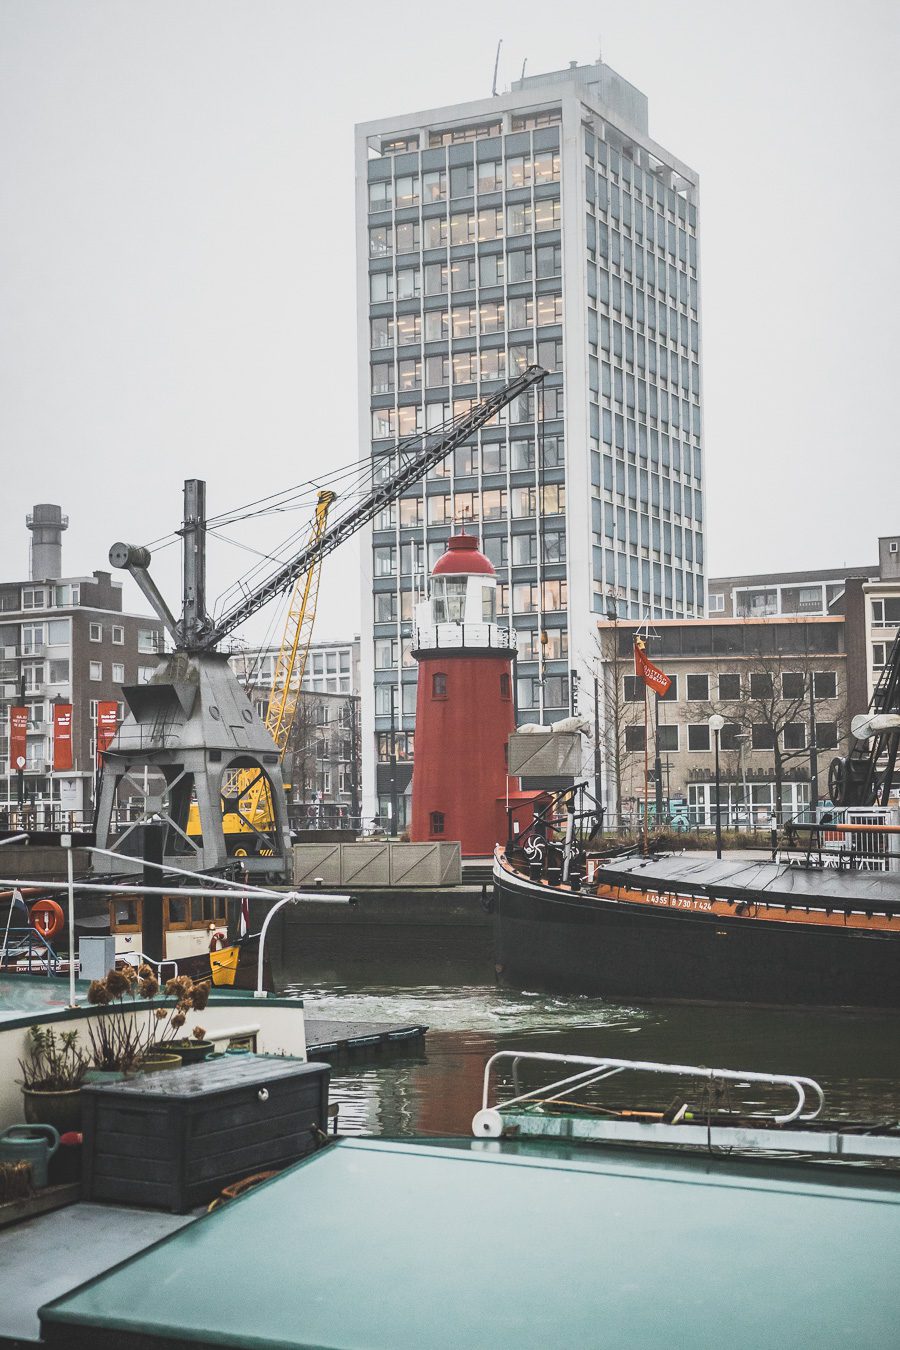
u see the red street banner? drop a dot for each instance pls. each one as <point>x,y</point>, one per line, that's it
<point>18,730</point>
<point>62,736</point>
<point>653,677</point>
<point>107,725</point>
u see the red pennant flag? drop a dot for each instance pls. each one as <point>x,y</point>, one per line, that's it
<point>18,731</point>
<point>62,736</point>
<point>107,725</point>
<point>653,677</point>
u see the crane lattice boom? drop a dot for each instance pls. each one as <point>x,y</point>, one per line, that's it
<point>413,467</point>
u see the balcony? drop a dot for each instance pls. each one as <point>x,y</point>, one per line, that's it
<point>463,636</point>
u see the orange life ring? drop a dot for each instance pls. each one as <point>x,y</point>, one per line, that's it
<point>217,939</point>
<point>47,918</point>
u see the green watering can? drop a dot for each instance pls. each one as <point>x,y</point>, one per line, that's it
<point>34,1144</point>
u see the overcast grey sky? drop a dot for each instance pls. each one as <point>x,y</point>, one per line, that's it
<point>176,250</point>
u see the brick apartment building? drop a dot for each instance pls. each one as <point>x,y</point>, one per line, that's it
<point>63,639</point>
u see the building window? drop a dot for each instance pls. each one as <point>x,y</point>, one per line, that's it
<point>439,685</point>
<point>505,689</point>
<point>32,638</point>
<point>58,633</point>
<point>148,640</point>
<point>716,602</point>
<point>145,674</point>
<point>95,670</point>
<point>795,736</point>
<point>437,822</point>
<point>885,613</point>
<point>825,684</point>
<point>879,655</point>
<point>634,689</point>
<point>698,736</point>
<point>33,673</point>
<point>59,672</point>
<point>761,684</point>
<point>729,688</point>
<point>34,597</point>
<point>762,738</point>
<point>634,738</point>
<point>118,672</point>
<point>793,685</point>
<point>697,688</point>
<point>668,739</point>
<point>95,632</point>
<point>826,735</point>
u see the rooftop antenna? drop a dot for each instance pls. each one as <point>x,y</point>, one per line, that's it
<point>496,67</point>
<point>524,64</point>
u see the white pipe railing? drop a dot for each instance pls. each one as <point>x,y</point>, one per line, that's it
<point>241,886</point>
<point>598,1068</point>
<point>294,898</point>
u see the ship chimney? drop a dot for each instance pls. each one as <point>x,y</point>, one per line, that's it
<point>46,523</point>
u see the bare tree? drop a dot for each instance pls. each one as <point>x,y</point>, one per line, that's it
<point>775,708</point>
<point>300,753</point>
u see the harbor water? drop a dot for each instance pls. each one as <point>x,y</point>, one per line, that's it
<point>444,978</point>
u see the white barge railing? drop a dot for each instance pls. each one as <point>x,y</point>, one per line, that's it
<point>488,1122</point>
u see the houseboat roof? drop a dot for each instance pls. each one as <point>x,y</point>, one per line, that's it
<point>395,1245</point>
<point>749,879</point>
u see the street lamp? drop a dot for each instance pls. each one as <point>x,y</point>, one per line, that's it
<point>716,723</point>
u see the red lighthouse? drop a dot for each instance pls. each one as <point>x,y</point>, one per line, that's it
<point>464,705</point>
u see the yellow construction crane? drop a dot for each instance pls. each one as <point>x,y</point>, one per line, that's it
<point>246,801</point>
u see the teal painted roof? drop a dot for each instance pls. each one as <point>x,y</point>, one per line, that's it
<point>378,1245</point>
<point>26,999</point>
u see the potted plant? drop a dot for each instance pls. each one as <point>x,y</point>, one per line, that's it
<point>195,1048</point>
<point>51,1079</point>
<point>129,1036</point>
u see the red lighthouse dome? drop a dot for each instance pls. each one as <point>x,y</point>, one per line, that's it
<point>463,556</point>
<point>464,704</point>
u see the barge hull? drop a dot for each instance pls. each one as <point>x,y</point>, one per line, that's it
<point>564,942</point>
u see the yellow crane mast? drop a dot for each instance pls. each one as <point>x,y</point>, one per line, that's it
<point>251,803</point>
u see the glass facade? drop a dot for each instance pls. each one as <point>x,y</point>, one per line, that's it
<point>540,236</point>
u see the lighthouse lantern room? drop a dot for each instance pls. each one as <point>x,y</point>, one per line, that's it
<point>464,704</point>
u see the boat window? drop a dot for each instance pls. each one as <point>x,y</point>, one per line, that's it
<point>212,910</point>
<point>124,915</point>
<point>178,912</point>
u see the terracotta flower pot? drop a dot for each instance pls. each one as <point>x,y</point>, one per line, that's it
<point>62,1109</point>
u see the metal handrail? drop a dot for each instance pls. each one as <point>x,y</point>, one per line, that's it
<point>28,938</point>
<point>489,1122</point>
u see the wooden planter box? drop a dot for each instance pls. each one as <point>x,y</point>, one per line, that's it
<point>174,1139</point>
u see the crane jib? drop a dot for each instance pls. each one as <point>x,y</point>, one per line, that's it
<point>393,487</point>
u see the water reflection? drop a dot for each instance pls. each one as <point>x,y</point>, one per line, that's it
<point>444,979</point>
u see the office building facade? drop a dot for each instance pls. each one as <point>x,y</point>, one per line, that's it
<point>781,684</point>
<point>544,225</point>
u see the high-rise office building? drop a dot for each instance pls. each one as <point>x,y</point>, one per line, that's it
<point>542,225</point>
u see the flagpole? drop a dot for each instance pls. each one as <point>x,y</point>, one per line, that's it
<point>646,770</point>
